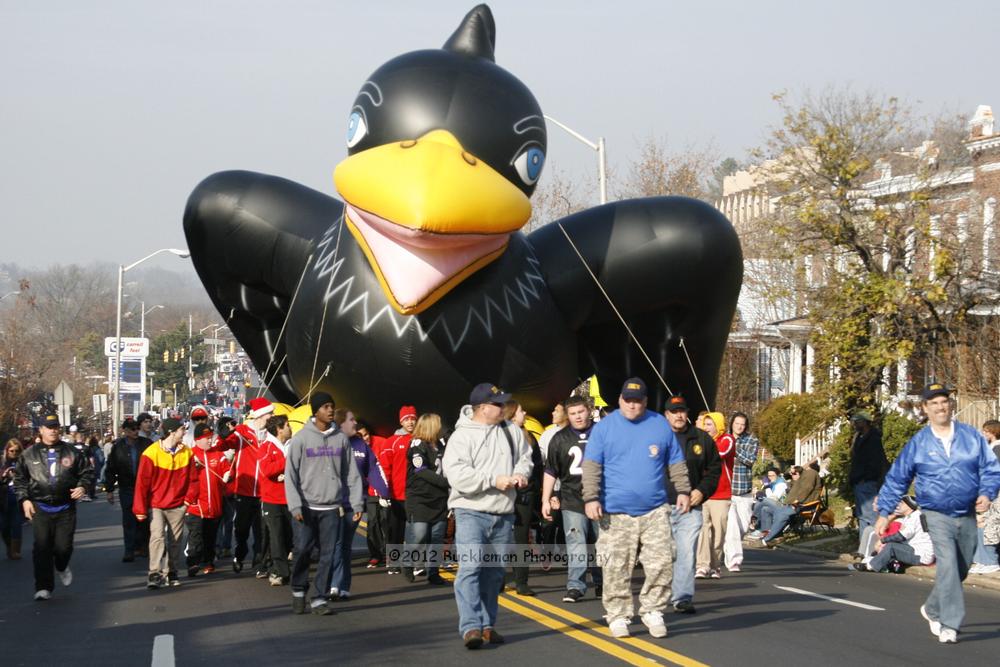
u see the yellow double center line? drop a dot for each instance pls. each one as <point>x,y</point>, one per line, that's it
<point>583,629</point>
<point>579,627</point>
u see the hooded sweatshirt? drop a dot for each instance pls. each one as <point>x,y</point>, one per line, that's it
<point>726,444</point>
<point>318,465</point>
<point>475,456</point>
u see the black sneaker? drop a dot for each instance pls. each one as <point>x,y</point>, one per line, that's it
<point>129,557</point>
<point>298,604</point>
<point>408,574</point>
<point>598,590</point>
<point>524,589</point>
<point>573,595</point>
<point>261,573</point>
<point>436,580</point>
<point>237,566</point>
<point>194,571</point>
<point>684,607</point>
<point>154,581</point>
<point>322,609</point>
<point>172,579</point>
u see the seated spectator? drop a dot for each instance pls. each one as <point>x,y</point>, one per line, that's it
<point>806,488</point>
<point>774,492</point>
<point>986,560</point>
<point>910,545</point>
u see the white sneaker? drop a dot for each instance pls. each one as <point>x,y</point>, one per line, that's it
<point>619,627</point>
<point>976,568</point>
<point>948,636</point>
<point>988,569</point>
<point>654,621</point>
<point>66,576</point>
<point>334,592</point>
<point>43,595</point>
<point>935,626</point>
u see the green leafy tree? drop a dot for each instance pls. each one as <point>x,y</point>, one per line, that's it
<point>787,417</point>
<point>875,277</point>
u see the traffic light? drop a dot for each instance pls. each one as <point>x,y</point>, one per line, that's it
<point>182,353</point>
<point>175,356</point>
<point>166,356</point>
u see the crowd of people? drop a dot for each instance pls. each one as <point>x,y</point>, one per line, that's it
<point>631,486</point>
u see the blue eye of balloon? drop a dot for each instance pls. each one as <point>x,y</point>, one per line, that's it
<point>529,164</point>
<point>357,128</point>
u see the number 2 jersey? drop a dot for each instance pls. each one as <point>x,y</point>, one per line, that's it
<point>565,462</point>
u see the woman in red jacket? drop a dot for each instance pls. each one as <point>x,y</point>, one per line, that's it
<point>715,511</point>
<point>205,493</point>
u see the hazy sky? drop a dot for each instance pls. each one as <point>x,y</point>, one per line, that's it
<point>111,112</point>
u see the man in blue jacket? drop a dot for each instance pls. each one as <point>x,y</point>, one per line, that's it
<point>956,475</point>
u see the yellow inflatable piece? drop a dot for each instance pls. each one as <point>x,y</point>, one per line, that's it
<point>533,426</point>
<point>297,417</point>
<point>595,393</point>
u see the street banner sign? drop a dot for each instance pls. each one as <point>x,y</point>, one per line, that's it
<point>100,403</point>
<point>63,395</point>
<point>132,348</point>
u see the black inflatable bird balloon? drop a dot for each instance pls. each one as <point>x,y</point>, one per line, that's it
<point>419,284</point>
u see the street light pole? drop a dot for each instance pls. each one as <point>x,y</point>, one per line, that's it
<point>116,411</point>
<point>9,294</point>
<point>142,320</point>
<point>602,168</point>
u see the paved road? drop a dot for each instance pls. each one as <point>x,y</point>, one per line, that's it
<point>107,617</point>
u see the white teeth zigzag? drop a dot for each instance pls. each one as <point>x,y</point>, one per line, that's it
<point>524,292</point>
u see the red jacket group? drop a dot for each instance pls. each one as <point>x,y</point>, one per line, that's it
<point>243,439</point>
<point>205,486</point>
<point>392,456</point>
<point>162,479</point>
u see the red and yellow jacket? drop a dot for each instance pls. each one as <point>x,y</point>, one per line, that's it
<point>272,464</point>
<point>162,479</point>
<point>206,488</point>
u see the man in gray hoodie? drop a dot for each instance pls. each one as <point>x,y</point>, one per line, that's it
<point>318,465</point>
<point>486,461</point>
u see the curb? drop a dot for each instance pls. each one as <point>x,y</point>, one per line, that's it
<point>922,572</point>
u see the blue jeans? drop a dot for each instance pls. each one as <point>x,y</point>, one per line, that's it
<point>686,528</point>
<point>322,528</point>
<point>431,535</point>
<point>864,494</point>
<point>580,531</point>
<point>781,516</point>
<point>901,551</point>
<point>954,540</point>
<point>340,577</point>
<point>764,511</point>
<point>986,554</point>
<point>477,587</point>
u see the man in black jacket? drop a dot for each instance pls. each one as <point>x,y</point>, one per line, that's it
<point>121,468</point>
<point>50,477</point>
<point>704,467</point>
<point>868,468</point>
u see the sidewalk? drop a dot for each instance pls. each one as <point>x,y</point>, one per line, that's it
<point>822,547</point>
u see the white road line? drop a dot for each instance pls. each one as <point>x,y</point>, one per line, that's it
<point>827,597</point>
<point>163,651</point>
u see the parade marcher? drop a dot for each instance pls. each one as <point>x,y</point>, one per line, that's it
<point>145,422</point>
<point>274,504</point>
<point>48,481</point>
<point>740,511</point>
<point>120,471</point>
<point>426,494</point>
<point>210,472</point>
<point>704,467</point>
<point>485,462</point>
<point>199,415</point>
<point>956,475</point>
<point>629,454</point>
<point>377,499</point>
<point>393,458</point>
<point>318,465</point>
<point>563,464</point>
<point>96,455</point>
<point>559,420</point>
<point>160,487</point>
<point>527,500</point>
<point>224,540</point>
<point>11,516</point>
<point>868,466</point>
<point>715,512</point>
<point>246,440</point>
<point>340,576</point>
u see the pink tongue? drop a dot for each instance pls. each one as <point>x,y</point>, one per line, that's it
<point>412,264</point>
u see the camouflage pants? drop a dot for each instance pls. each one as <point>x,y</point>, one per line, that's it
<point>619,543</point>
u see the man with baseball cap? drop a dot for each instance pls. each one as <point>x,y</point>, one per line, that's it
<point>957,475</point>
<point>48,480</point>
<point>121,471</point>
<point>486,461</point>
<point>629,454</point>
